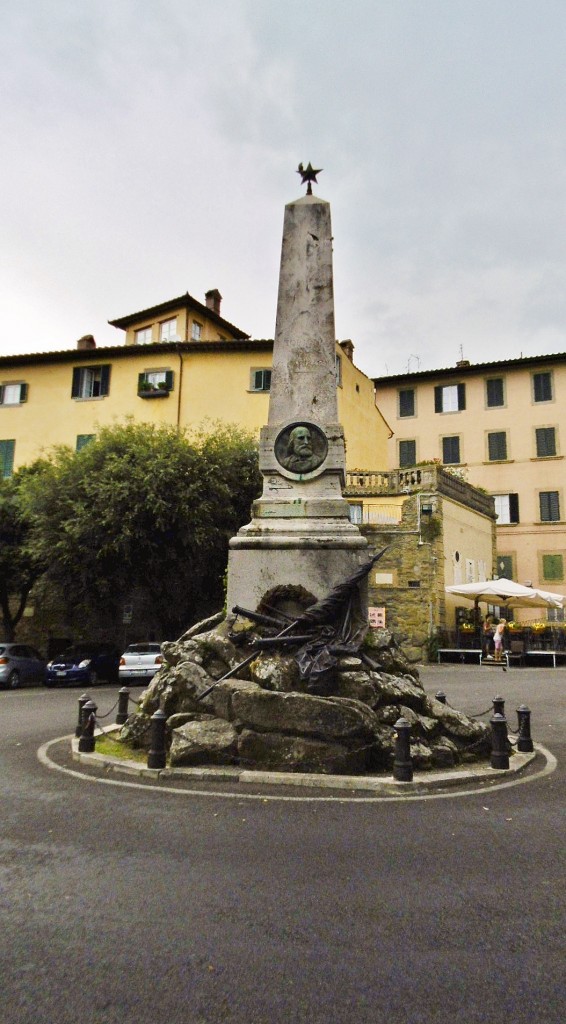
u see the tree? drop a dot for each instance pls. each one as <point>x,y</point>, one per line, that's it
<point>20,565</point>
<point>144,509</point>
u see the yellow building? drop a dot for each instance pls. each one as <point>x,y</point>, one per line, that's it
<point>182,364</point>
<point>502,426</point>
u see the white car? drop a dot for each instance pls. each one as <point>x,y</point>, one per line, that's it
<point>140,661</point>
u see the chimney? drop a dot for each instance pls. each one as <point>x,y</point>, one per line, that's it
<point>213,300</point>
<point>347,347</point>
<point>86,342</point>
<point>463,362</point>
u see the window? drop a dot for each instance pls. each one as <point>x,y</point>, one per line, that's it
<point>450,398</point>
<point>260,380</point>
<point>7,449</point>
<point>542,387</point>
<point>196,331</point>
<point>506,508</point>
<point>506,566</point>
<point>13,394</point>
<point>338,370</point>
<point>451,450</point>
<point>546,442</point>
<point>168,330</point>
<point>90,381</point>
<point>155,380</point>
<point>406,402</point>
<point>356,513</point>
<point>144,336</point>
<point>552,567</point>
<point>497,446</point>
<point>83,440</point>
<point>549,502</point>
<point>407,453</point>
<point>494,392</point>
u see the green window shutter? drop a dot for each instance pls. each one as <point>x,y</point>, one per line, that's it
<point>23,392</point>
<point>513,508</point>
<point>438,398</point>
<point>169,379</point>
<point>545,441</point>
<point>497,446</point>
<point>407,453</point>
<point>105,379</point>
<point>1,393</point>
<point>552,567</point>
<point>505,566</point>
<point>549,506</point>
<point>494,390</point>
<point>141,381</point>
<point>76,385</point>
<point>451,450</point>
<point>406,402</point>
<point>7,450</point>
<point>542,385</point>
<point>461,396</point>
<point>84,439</point>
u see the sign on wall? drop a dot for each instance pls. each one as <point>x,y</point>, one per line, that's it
<point>376,617</point>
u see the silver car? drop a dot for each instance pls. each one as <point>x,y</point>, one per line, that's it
<point>140,661</point>
<point>20,665</point>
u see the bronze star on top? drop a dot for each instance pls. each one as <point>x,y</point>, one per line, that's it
<point>308,174</point>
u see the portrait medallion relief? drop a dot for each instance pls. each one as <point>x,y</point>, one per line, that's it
<point>301,448</point>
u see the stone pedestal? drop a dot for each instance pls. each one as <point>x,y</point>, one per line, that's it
<point>300,534</point>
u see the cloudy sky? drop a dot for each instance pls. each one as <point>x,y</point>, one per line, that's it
<point>149,147</point>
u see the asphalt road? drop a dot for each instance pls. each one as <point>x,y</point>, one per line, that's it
<point>128,905</point>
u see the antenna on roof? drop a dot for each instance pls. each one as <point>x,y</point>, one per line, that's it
<point>409,363</point>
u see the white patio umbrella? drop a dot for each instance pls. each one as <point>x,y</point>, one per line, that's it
<point>504,591</point>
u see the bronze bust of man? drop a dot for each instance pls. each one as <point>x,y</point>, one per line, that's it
<point>300,455</point>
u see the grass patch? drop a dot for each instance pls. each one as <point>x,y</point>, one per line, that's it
<point>111,748</point>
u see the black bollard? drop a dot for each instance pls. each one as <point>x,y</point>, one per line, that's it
<point>499,748</point>
<point>498,705</point>
<point>441,696</point>
<point>79,726</point>
<point>402,763</point>
<point>87,741</point>
<point>524,741</point>
<point>156,757</point>
<point>123,701</point>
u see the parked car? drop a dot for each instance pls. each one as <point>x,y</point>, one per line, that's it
<point>84,663</point>
<point>20,665</point>
<point>140,661</point>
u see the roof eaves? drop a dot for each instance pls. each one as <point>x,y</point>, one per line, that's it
<point>472,368</point>
<point>185,301</point>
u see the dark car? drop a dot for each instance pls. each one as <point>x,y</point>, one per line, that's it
<point>20,665</point>
<point>84,663</point>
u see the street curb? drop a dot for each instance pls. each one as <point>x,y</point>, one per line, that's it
<point>384,785</point>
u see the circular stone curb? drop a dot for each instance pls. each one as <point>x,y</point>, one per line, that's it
<point>480,774</point>
<point>394,792</point>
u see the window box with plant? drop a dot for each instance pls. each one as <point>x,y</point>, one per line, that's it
<point>155,384</point>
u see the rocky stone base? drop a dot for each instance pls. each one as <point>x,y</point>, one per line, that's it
<point>264,717</point>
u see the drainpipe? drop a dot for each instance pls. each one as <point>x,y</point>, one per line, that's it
<point>180,387</point>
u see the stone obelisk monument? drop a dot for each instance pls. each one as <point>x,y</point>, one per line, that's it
<point>300,535</point>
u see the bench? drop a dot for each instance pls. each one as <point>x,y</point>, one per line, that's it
<point>458,653</point>
<point>544,654</point>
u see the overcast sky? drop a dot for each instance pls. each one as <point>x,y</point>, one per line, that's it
<point>149,148</point>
